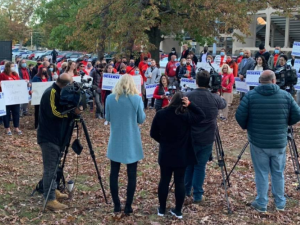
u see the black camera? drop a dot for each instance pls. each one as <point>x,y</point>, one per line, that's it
<point>215,79</point>
<point>171,91</point>
<point>286,76</point>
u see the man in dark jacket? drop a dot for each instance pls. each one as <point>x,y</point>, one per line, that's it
<point>185,51</point>
<point>262,52</point>
<point>96,75</point>
<point>266,112</point>
<point>50,135</point>
<point>203,133</point>
<point>54,55</point>
<point>173,52</point>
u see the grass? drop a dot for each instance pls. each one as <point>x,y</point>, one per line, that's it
<point>31,62</point>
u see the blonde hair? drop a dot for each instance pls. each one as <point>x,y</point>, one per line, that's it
<point>125,86</point>
<point>229,70</point>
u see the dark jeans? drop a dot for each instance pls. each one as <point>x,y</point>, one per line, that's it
<point>50,153</point>
<point>195,174</point>
<point>36,116</point>
<point>99,108</point>
<point>152,102</point>
<point>163,187</point>
<point>114,188</point>
<point>15,111</point>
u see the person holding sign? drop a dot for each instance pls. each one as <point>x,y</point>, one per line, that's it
<point>160,93</point>
<point>227,84</point>
<point>42,76</point>
<point>10,74</point>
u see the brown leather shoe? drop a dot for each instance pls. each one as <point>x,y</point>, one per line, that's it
<point>60,196</point>
<point>55,205</point>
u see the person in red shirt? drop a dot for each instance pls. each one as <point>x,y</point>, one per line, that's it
<point>144,69</point>
<point>45,63</point>
<point>233,65</point>
<point>223,57</point>
<point>117,64</point>
<point>81,69</point>
<point>142,65</point>
<point>10,74</point>
<point>227,84</point>
<point>160,93</point>
<point>24,75</point>
<point>240,58</point>
<point>171,70</point>
<point>143,55</point>
<point>130,69</point>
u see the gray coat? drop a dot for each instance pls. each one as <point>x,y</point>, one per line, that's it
<point>250,64</point>
<point>271,62</point>
<point>156,74</point>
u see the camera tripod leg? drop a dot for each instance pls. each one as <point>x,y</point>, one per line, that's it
<point>92,153</point>
<point>239,157</point>
<point>294,156</point>
<point>68,134</point>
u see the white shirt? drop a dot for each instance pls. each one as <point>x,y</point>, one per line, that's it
<point>203,59</point>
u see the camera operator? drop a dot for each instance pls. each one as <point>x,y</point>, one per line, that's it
<point>266,112</point>
<point>50,133</point>
<point>203,133</point>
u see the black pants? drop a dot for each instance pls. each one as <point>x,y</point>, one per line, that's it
<point>163,188</point>
<point>15,111</point>
<point>114,188</point>
<point>146,102</point>
<point>36,116</point>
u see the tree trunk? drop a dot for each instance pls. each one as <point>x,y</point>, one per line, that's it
<point>154,35</point>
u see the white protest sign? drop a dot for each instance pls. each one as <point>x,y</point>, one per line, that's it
<point>185,82</point>
<point>2,105</point>
<point>297,64</point>
<point>16,68</point>
<point>137,81</point>
<point>109,81</point>
<point>252,77</point>
<point>241,86</point>
<point>296,49</point>
<point>150,90</point>
<point>16,92</point>
<point>297,86</point>
<point>38,89</point>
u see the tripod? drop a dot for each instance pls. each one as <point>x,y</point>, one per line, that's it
<point>64,151</point>
<point>293,150</point>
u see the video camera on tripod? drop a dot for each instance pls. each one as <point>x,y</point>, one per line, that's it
<point>171,91</point>
<point>215,79</point>
<point>286,76</point>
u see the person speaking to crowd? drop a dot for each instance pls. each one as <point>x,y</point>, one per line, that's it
<point>124,111</point>
<point>160,93</point>
<point>50,135</point>
<point>266,112</point>
<point>203,134</point>
<point>175,150</point>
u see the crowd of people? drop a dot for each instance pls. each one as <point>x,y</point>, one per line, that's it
<point>192,117</point>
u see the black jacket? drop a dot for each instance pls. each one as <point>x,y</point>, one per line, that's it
<point>173,132</point>
<point>170,55</point>
<point>52,125</point>
<point>266,55</point>
<point>185,55</point>
<point>203,133</point>
<point>182,72</point>
<point>35,70</point>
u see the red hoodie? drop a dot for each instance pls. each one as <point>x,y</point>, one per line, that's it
<point>227,82</point>
<point>171,69</point>
<point>25,74</point>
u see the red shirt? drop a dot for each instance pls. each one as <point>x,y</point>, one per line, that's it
<point>222,61</point>
<point>275,59</point>
<point>25,74</point>
<point>59,65</point>
<point>227,82</point>
<point>239,59</point>
<point>171,69</point>
<point>143,71</point>
<point>141,65</point>
<point>130,70</point>
<point>44,80</point>
<point>155,95</point>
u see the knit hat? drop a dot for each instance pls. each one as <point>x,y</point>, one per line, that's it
<point>261,46</point>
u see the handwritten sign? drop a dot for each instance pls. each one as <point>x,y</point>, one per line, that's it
<point>110,80</point>
<point>297,86</point>
<point>185,82</point>
<point>2,105</point>
<point>16,68</point>
<point>38,89</point>
<point>16,92</point>
<point>240,85</point>
<point>252,77</point>
<point>296,49</point>
<point>150,90</point>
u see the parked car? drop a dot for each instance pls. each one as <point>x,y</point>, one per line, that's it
<point>31,56</point>
<point>74,56</point>
<point>38,54</point>
<point>62,55</point>
<point>26,54</point>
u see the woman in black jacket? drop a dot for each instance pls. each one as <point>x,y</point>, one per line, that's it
<point>171,128</point>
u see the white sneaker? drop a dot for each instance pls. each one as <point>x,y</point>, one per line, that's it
<point>106,123</point>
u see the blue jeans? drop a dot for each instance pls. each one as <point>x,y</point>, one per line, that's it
<point>195,174</point>
<point>267,161</point>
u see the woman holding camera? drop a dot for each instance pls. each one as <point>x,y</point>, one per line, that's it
<point>175,149</point>
<point>124,110</point>
<point>160,93</point>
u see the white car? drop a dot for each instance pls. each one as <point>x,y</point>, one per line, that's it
<point>38,54</point>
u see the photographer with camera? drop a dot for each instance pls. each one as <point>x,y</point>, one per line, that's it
<point>175,150</point>
<point>160,93</point>
<point>266,112</point>
<point>203,133</point>
<point>50,135</point>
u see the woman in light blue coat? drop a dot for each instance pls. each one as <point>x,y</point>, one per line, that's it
<point>124,111</point>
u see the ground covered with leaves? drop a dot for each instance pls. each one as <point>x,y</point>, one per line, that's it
<point>21,169</point>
